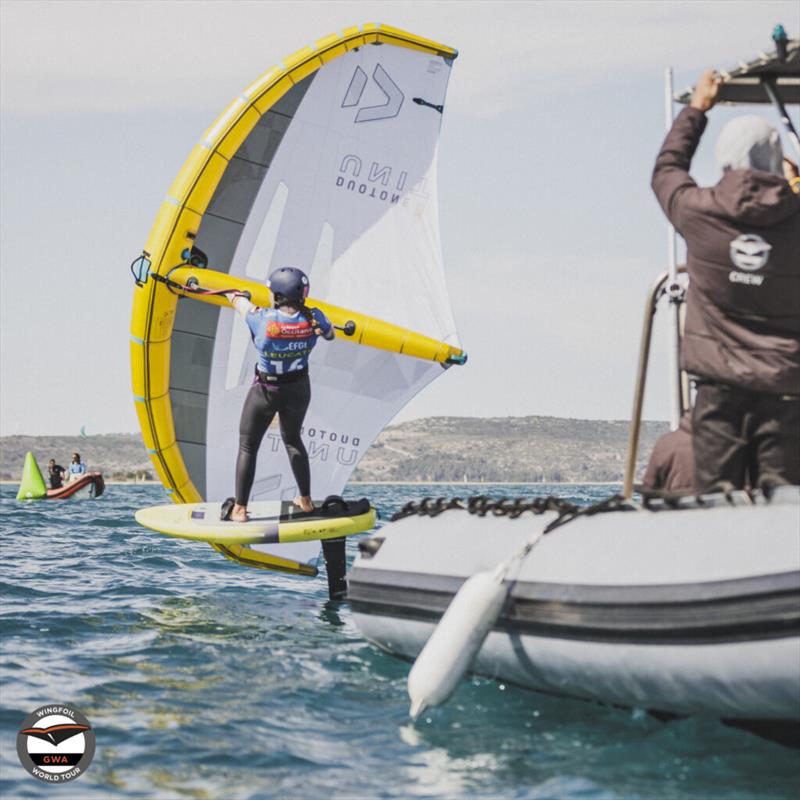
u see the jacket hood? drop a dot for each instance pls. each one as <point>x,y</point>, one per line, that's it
<point>755,197</point>
<point>749,142</point>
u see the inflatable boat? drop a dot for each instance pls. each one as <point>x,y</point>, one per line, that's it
<point>32,486</point>
<point>689,608</point>
<point>91,484</point>
<point>677,605</point>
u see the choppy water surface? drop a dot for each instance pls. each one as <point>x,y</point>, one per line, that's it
<point>204,679</point>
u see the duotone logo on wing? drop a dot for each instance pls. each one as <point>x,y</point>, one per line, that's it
<point>393,96</point>
<point>56,743</point>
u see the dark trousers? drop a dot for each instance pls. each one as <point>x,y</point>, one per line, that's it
<point>741,436</point>
<point>290,402</point>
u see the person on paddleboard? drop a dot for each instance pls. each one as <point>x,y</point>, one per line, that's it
<point>742,335</point>
<point>284,337</point>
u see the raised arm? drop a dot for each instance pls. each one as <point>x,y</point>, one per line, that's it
<point>671,181</point>
<point>241,304</point>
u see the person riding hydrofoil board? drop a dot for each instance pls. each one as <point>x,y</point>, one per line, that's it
<point>284,337</point>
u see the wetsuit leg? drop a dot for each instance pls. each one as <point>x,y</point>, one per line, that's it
<point>259,410</point>
<point>294,400</point>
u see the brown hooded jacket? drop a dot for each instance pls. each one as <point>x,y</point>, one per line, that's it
<point>743,243</point>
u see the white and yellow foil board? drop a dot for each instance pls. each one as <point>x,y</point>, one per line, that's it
<point>326,162</point>
<point>270,522</point>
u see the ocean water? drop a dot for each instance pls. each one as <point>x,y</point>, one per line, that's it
<point>203,679</point>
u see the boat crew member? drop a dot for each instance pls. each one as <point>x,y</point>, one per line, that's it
<point>742,334</point>
<point>671,464</point>
<point>77,469</point>
<point>55,474</point>
<point>284,337</point>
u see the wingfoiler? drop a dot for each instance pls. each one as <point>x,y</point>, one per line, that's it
<point>326,162</point>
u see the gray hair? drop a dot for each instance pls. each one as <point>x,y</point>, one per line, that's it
<point>749,142</point>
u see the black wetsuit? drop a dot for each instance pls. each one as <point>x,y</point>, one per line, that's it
<point>288,399</point>
<point>55,474</point>
<point>284,341</point>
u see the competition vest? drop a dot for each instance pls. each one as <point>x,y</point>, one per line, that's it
<point>284,341</point>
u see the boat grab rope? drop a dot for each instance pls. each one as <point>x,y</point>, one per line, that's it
<point>481,506</point>
<point>651,500</point>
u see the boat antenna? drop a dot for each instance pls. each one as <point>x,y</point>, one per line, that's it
<point>781,41</point>
<point>770,87</point>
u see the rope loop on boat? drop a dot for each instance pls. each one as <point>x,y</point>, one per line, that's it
<point>481,505</point>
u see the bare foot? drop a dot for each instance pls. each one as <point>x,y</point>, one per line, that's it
<point>304,503</point>
<point>239,513</point>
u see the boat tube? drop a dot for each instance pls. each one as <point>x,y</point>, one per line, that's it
<point>690,608</point>
<point>90,484</point>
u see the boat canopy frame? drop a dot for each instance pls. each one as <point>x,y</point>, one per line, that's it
<point>772,78</point>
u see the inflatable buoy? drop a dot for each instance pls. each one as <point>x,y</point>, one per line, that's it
<point>32,485</point>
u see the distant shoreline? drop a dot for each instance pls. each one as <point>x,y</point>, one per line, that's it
<point>485,483</point>
<point>401,483</point>
<point>429,452</point>
<point>107,483</point>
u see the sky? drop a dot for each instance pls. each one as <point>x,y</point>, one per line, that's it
<point>555,113</point>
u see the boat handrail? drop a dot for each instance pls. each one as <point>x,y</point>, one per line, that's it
<point>657,290</point>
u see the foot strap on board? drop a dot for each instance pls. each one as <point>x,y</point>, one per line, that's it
<point>227,508</point>
<point>334,504</point>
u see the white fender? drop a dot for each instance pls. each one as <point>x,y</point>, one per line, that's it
<point>457,639</point>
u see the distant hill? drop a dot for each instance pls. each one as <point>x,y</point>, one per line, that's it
<point>119,456</point>
<point>523,449</point>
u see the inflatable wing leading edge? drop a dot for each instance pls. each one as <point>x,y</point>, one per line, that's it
<point>327,162</point>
